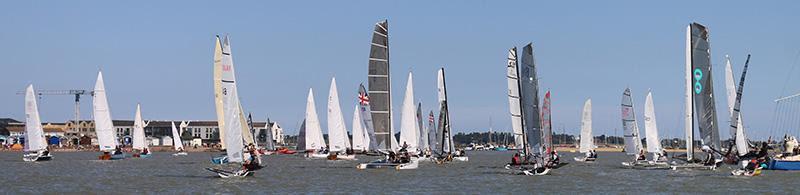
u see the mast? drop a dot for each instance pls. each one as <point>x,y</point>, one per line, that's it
<point>380,86</point>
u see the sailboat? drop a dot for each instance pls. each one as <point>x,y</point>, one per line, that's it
<point>433,143</point>
<point>177,144</point>
<point>104,128</point>
<point>699,95</point>
<point>338,143</point>
<point>238,134</point>
<point>141,150</point>
<point>447,151</point>
<point>365,116</point>
<point>380,88</point>
<point>587,140</point>
<point>633,145</point>
<point>523,97</point>
<point>36,146</point>
<point>360,137</point>
<point>314,142</point>
<point>424,148</point>
<point>659,156</point>
<point>408,123</point>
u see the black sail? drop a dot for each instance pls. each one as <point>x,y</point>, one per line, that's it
<point>379,89</point>
<point>530,100</point>
<point>703,86</point>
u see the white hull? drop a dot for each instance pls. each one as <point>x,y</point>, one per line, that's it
<point>344,157</point>
<point>33,157</point>
<point>410,165</point>
<point>641,164</point>
<point>180,154</point>
<point>693,166</point>
<point>584,159</point>
<point>461,158</point>
<point>533,172</point>
<point>316,155</point>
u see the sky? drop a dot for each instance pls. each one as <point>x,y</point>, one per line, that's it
<point>159,54</point>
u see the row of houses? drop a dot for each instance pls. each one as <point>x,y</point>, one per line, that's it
<point>72,132</point>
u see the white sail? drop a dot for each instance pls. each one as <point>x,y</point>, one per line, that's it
<point>234,129</point>
<point>34,135</point>
<point>730,86</point>
<point>337,132</point>
<point>177,144</point>
<point>513,98</point>
<point>314,139</point>
<point>650,128</point>
<point>218,90</point>
<point>139,142</point>
<point>360,137</point>
<point>102,117</point>
<point>408,124</point>
<point>587,141</point>
<point>227,62</point>
<point>687,119</point>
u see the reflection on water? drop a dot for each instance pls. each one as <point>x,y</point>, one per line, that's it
<point>163,173</point>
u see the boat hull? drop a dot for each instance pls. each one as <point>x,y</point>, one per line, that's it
<point>784,165</point>
<point>180,154</point>
<point>647,165</point>
<point>693,166</point>
<point>142,155</point>
<point>584,159</point>
<point>219,160</point>
<point>36,157</point>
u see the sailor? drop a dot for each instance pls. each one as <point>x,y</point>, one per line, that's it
<point>641,155</point>
<point>145,151</point>
<point>709,156</point>
<point>515,159</point>
<point>251,163</point>
<point>555,159</point>
<point>117,150</point>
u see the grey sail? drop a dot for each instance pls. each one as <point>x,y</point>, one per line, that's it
<point>379,89</point>
<point>301,137</point>
<point>366,118</point>
<point>269,143</point>
<point>432,140</point>
<point>445,130</point>
<point>443,135</point>
<point>703,86</point>
<point>629,126</point>
<point>423,134</point>
<point>530,100</point>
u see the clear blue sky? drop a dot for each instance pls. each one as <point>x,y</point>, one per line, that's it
<point>160,53</point>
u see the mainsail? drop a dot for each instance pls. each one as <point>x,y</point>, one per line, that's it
<point>408,123</point>
<point>301,137</point>
<point>529,85</point>
<point>423,133</point>
<point>218,90</point>
<point>227,63</point>
<point>34,135</point>
<point>587,141</point>
<point>650,128</point>
<point>547,127</point>
<point>630,127</point>
<point>176,138</point>
<point>703,86</point>
<point>313,131</point>
<point>379,86</point>
<point>269,143</point>
<point>364,112</point>
<point>235,127</point>
<point>514,103</point>
<point>741,142</point>
<point>432,140</point>
<point>138,130</point>
<point>104,128</point>
<point>337,132</point>
<point>447,145</point>
<point>730,89</point>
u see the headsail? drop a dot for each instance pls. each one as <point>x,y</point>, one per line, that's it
<point>408,124</point>
<point>269,143</point>
<point>218,90</point>
<point>587,140</point>
<point>360,137</point>
<point>379,86</point>
<point>337,132</point>
<point>547,127</point>
<point>138,130</point>
<point>176,138</point>
<point>514,103</point>
<point>432,139</point>
<point>629,125</point>
<point>650,128</point>
<point>102,117</point>
<point>703,86</point>
<point>730,89</point>
<point>741,142</point>
<point>34,135</point>
<point>530,100</point>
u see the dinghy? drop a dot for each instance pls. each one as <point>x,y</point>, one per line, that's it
<point>314,146</point>
<point>177,144</point>
<point>659,158</point>
<point>523,96</point>
<point>36,146</point>
<point>104,128</point>
<point>139,143</point>
<point>238,134</point>
<point>338,143</point>
<point>587,140</point>
<point>447,151</point>
<point>699,95</point>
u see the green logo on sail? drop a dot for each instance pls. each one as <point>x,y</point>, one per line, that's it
<point>698,74</point>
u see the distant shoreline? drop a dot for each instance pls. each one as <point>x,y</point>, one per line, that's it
<point>126,149</point>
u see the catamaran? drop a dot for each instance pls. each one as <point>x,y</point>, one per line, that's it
<point>659,159</point>
<point>104,128</point>
<point>587,140</point>
<point>447,151</point>
<point>424,148</point>
<point>177,144</point>
<point>338,144</point>
<point>141,150</point>
<point>238,134</point>
<point>523,96</point>
<point>699,95</point>
<point>630,127</point>
<point>380,103</point>
<point>36,146</point>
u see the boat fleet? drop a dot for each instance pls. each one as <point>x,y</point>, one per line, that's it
<point>373,132</point>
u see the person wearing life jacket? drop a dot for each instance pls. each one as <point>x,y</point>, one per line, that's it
<point>515,159</point>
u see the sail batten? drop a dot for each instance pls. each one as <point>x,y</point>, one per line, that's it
<point>218,90</point>
<point>236,128</point>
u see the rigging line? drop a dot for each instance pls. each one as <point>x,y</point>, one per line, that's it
<point>789,76</point>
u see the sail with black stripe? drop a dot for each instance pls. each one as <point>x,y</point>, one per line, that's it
<point>379,86</point>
